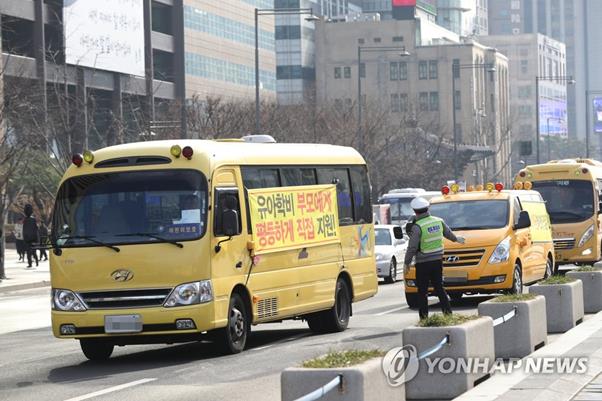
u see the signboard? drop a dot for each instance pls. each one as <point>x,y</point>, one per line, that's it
<point>293,217</point>
<point>541,228</point>
<point>598,115</point>
<point>552,117</point>
<point>106,35</point>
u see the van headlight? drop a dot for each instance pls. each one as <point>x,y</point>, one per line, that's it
<point>379,256</point>
<point>198,292</point>
<point>66,301</point>
<point>587,235</point>
<point>501,252</point>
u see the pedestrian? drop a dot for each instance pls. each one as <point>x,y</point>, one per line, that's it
<point>43,234</point>
<point>30,235</point>
<point>19,243</point>
<point>426,245</point>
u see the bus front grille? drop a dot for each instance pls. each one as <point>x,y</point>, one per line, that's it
<point>135,298</point>
<point>564,243</point>
<point>463,258</point>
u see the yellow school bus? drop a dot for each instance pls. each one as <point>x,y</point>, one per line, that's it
<point>571,189</point>
<point>169,241</point>
<point>508,241</point>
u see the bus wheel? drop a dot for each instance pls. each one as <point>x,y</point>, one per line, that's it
<point>234,335</point>
<point>517,281</point>
<point>412,300</point>
<point>392,277</point>
<point>95,349</point>
<point>549,268</point>
<point>335,319</point>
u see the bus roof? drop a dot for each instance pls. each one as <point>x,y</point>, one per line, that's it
<point>237,152</point>
<point>558,169</point>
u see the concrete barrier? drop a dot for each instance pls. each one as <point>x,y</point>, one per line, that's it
<point>564,304</point>
<point>473,339</point>
<point>523,333</point>
<point>592,289</point>
<point>362,382</point>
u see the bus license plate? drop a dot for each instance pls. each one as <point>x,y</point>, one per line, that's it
<point>123,324</point>
<point>455,277</point>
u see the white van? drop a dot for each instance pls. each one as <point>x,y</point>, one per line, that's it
<point>400,199</point>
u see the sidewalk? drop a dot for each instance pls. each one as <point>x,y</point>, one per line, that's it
<point>20,278</point>
<point>583,340</point>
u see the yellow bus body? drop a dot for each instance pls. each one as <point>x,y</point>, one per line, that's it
<point>280,285</point>
<point>568,235</point>
<point>467,268</point>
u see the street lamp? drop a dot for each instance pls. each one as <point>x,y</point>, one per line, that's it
<point>564,78</point>
<point>272,11</point>
<point>402,53</point>
<point>588,93</point>
<point>548,132</point>
<point>489,67</point>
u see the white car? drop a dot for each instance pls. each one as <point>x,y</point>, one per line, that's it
<point>390,249</point>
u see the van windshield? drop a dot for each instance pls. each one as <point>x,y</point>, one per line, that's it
<point>130,207</point>
<point>400,208</point>
<point>567,201</point>
<point>473,215</point>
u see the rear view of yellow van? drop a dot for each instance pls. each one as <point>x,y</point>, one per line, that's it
<point>508,241</point>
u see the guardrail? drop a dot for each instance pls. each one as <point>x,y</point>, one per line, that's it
<point>325,389</point>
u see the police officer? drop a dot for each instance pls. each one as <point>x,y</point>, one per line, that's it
<point>426,244</point>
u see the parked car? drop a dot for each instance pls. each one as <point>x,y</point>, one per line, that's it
<point>390,249</point>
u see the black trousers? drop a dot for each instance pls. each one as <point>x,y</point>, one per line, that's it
<point>31,253</point>
<point>431,273</point>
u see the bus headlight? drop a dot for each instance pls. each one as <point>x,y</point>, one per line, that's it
<point>501,252</point>
<point>587,235</point>
<point>198,292</point>
<point>66,301</point>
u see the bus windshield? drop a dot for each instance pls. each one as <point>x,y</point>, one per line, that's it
<point>473,215</point>
<point>130,207</point>
<point>567,201</point>
<point>400,208</point>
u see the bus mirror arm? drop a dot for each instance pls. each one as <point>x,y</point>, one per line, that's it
<point>218,247</point>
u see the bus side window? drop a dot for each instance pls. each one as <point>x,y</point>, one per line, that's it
<point>225,199</point>
<point>361,195</point>
<point>340,177</point>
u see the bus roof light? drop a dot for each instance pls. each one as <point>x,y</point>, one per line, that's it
<point>175,151</point>
<point>528,185</point>
<point>187,152</point>
<point>480,187</point>
<point>499,187</point>
<point>490,187</point>
<point>445,190</point>
<point>77,159</point>
<point>522,173</point>
<point>455,188</point>
<point>88,156</point>
<point>470,188</point>
<point>518,185</point>
<point>584,170</point>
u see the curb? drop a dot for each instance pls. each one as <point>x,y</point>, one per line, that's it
<point>25,286</point>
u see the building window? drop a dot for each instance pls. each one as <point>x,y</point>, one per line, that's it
<point>337,72</point>
<point>456,67</point>
<point>403,102</point>
<point>362,70</point>
<point>434,101</point>
<point>403,71</point>
<point>347,72</point>
<point>422,70</point>
<point>524,66</point>
<point>423,101</point>
<point>524,110</point>
<point>361,41</point>
<point>433,69</point>
<point>397,38</point>
<point>393,71</point>
<point>395,106</point>
<point>376,40</point>
<point>524,92</point>
<point>161,18</point>
<point>458,100</point>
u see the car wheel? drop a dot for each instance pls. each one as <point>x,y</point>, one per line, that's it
<point>412,300</point>
<point>392,277</point>
<point>96,350</point>
<point>517,281</point>
<point>549,268</point>
<point>233,337</point>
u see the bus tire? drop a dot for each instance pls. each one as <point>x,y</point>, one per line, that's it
<point>234,336</point>
<point>517,280</point>
<point>412,300</point>
<point>96,349</point>
<point>335,319</point>
<point>392,277</point>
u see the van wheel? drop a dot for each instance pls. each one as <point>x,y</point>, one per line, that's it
<point>233,337</point>
<point>392,277</point>
<point>96,350</point>
<point>517,281</point>
<point>335,319</point>
<point>412,300</point>
<point>549,268</point>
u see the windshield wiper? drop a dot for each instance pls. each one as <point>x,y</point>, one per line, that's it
<point>152,235</point>
<point>91,239</point>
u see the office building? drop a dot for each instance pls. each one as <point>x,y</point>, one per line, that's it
<point>464,17</point>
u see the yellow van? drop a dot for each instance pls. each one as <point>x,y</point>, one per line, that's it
<point>163,241</point>
<point>508,241</point>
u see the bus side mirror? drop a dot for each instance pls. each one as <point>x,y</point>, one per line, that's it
<point>230,223</point>
<point>397,232</point>
<point>600,208</point>
<point>524,221</point>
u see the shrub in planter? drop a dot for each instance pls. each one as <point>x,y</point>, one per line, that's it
<point>591,278</point>
<point>362,374</point>
<point>522,333</point>
<point>564,302</point>
<point>469,337</point>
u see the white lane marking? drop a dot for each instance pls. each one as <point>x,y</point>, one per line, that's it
<point>391,311</point>
<point>111,389</point>
<point>284,340</point>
